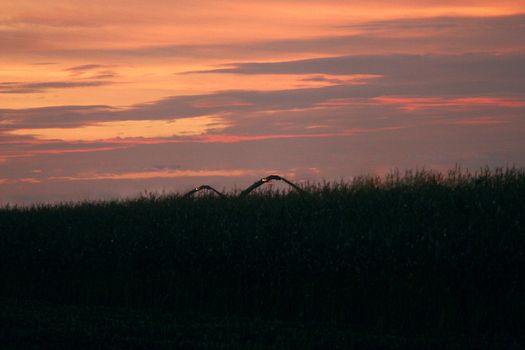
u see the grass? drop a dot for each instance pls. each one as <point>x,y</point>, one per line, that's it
<point>420,258</point>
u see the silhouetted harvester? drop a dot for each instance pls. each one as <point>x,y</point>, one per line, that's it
<point>245,192</point>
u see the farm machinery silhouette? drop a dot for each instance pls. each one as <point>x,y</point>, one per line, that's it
<point>247,191</point>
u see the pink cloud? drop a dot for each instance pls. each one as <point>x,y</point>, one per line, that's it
<point>143,175</point>
<point>418,103</point>
<point>233,138</point>
<point>78,150</point>
<point>219,102</point>
<point>480,121</point>
<point>57,151</point>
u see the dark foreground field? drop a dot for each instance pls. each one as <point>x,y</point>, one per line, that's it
<point>423,261</point>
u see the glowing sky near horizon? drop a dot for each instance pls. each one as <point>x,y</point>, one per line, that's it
<point>104,99</point>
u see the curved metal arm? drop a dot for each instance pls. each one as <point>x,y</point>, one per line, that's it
<point>267,179</point>
<point>200,188</point>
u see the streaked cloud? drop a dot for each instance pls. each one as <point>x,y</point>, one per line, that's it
<point>418,103</point>
<point>162,174</point>
<point>84,67</point>
<point>129,129</point>
<point>407,67</point>
<point>38,87</point>
<point>481,121</point>
<point>74,150</point>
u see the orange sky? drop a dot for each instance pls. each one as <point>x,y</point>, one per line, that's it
<point>205,87</point>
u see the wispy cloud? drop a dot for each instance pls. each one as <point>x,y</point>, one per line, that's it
<point>408,67</point>
<point>85,67</point>
<point>159,174</point>
<point>92,71</point>
<point>76,150</point>
<point>38,87</point>
<point>44,63</point>
<point>141,175</point>
<point>129,129</point>
<point>419,103</point>
<point>480,121</point>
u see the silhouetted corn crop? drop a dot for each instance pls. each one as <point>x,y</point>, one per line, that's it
<point>421,251</point>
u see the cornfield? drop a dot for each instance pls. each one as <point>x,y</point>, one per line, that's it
<point>414,252</point>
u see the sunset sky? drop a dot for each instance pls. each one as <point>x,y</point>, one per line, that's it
<point>107,99</point>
